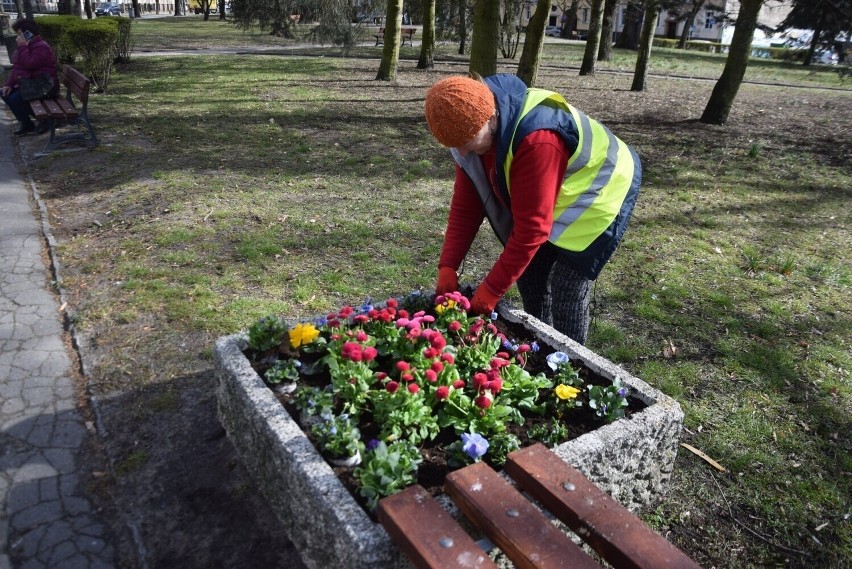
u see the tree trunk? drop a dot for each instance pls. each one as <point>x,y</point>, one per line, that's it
<point>645,43</point>
<point>178,7</point>
<point>393,36</point>
<point>627,39</point>
<point>462,30</point>
<point>809,56</point>
<point>594,38</point>
<point>533,42</point>
<point>136,11</point>
<point>87,7</point>
<point>571,25</point>
<point>719,105</point>
<point>483,46</point>
<point>221,9</point>
<point>427,44</point>
<point>687,24</point>
<point>605,49</point>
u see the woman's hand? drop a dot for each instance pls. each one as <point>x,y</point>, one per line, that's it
<point>484,301</point>
<point>21,40</point>
<point>5,90</point>
<point>448,281</point>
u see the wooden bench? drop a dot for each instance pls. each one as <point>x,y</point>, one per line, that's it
<point>407,35</point>
<point>432,539</point>
<point>61,112</point>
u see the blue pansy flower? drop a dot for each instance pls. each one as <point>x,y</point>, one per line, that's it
<point>474,445</point>
<point>556,359</point>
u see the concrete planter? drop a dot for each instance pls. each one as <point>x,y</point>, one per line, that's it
<point>631,459</point>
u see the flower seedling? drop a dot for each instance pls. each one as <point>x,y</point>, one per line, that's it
<point>337,435</point>
<point>283,371</point>
<point>609,402</point>
<point>266,333</point>
<point>550,434</point>
<point>387,469</point>
<point>313,401</point>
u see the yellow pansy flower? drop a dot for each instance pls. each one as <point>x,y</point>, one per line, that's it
<point>303,334</point>
<point>566,392</point>
<point>446,305</point>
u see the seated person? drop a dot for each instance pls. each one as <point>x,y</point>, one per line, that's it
<point>32,57</point>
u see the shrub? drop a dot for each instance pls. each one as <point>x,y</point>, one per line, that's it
<point>94,42</point>
<point>709,47</point>
<point>54,30</point>
<point>788,54</point>
<point>124,46</point>
<point>665,42</point>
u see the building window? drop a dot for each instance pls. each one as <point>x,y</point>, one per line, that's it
<point>585,17</point>
<point>709,20</point>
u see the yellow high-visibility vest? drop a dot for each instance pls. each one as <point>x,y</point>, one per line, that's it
<point>599,174</point>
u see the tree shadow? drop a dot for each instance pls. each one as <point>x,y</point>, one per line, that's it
<point>178,484</point>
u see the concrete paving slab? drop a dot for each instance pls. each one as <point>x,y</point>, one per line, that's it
<point>42,433</point>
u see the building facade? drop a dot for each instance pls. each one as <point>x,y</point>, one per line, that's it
<point>710,23</point>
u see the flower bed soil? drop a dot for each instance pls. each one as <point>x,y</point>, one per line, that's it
<point>435,466</point>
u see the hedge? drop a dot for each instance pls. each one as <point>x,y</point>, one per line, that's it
<point>96,43</point>
<point>695,45</point>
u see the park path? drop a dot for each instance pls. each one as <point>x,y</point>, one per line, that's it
<point>46,520</point>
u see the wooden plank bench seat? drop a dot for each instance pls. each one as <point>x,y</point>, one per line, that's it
<point>432,539</point>
<point>407,35</point>
<point>61,112</point>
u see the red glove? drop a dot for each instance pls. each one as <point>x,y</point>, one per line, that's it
<point>448,281</point>
<point>484,301</point>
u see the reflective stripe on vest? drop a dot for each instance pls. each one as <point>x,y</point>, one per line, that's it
<point>596,181</point>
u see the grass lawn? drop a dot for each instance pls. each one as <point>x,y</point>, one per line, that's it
<point>230,187</point>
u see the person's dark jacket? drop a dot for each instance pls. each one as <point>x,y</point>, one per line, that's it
<point>31,60</point>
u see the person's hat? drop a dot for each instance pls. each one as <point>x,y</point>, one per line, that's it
<point>457,108</point>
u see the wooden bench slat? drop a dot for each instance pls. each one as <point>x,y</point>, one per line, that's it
<point>609,528</point>
<point>522,532</point>
<point>76,82</point>
<point>427,534</point>
<point>39,111</point>
<point>67,108</point>
<point>53,108</point>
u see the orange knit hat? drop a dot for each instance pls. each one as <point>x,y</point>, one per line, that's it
<point>456,109</point>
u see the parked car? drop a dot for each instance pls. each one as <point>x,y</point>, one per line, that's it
<point>108,9</point>
<point>553,31</point>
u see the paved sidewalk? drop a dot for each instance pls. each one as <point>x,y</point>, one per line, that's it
<point>45,518</point>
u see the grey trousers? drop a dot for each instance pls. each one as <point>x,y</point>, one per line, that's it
<point>557,294</point>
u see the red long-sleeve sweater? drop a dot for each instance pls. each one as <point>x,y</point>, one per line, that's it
<point>535,178</point>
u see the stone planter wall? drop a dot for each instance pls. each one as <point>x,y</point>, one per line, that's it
<point>631,459</point>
